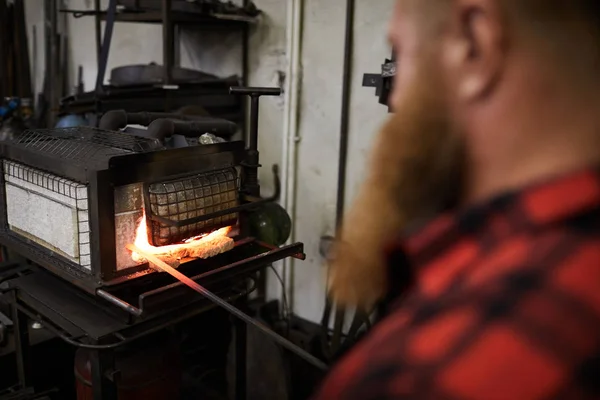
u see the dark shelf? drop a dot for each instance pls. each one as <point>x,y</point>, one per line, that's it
<point>177,17</point>
<point>155,17</point>
<point>215,100</point>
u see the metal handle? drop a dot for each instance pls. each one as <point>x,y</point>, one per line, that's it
<point>138,312</point>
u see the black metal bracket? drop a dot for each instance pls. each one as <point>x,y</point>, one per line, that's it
<point>382,82</point>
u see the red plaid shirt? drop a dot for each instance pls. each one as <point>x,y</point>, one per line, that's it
<point>505,305</point>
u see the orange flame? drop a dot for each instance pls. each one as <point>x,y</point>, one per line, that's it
<point>141,242</point>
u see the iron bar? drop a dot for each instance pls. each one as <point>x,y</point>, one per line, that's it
<point>241,353</point>
<point>168,42</point>
<point>98,30</point>
<point>345,113</point>
<point>111,15</point>
<point>22,347</point>
<point>119,302</point>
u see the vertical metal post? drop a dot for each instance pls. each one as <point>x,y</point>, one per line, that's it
<point>250,184</point>
<point>251,178</point>
<point>111,15</point>
<point>103,363</point>
<point>21,330</point>
<point>345,113</point>
<point>240,358</point>
<point>176,45</point>
<point>245,70</point>
<point>98,30</point>
<point>168,42</point>
<point>52,60</point>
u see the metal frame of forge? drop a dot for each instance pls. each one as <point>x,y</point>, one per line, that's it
<point>128,169</point>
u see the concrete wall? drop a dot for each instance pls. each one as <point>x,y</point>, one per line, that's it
<point>322,54</point>
<point>322,59</point>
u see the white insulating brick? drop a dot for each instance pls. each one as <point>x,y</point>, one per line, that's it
<point>42,217</point>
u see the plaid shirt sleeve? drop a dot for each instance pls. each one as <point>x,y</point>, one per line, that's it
<point>510,318</point>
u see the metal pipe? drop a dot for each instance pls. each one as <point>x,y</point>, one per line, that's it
<point>119,302</point>
<point>98,30</point>
<point>251,165</point>
<point>111,14</point>
<point>51,62</point>
<point>345,115</point>
<point>290,129</point>
<point>253,132</point>
<point>168,45</point>
<point>161,265</point>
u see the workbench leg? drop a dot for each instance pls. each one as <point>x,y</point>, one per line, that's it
<point>22,346</point>
<point>240,359</point>
<point>103,363</point>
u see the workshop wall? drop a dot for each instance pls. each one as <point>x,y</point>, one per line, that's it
<point>322,54</point>
<point>322,58</point>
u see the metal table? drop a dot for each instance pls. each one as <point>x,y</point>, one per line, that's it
<point>81,320</point>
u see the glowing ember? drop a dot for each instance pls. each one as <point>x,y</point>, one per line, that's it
<point>203,246</point>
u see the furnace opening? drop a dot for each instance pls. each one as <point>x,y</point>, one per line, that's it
<point>203,246</point>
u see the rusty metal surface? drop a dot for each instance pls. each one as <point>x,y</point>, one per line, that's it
<point>125,227</point>
<point>128,212</point>
<point>128,198</point>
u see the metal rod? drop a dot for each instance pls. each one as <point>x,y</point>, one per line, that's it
<point>52,62</point>
<point>161,265</point>
<point>111,15</point>
<point>168,42</point>
<point>98,30</point>
<point>119,302</point>
<point>253,133</point>
<point>345,114</point>
<point>241,352</point>
<point>22,348</point>
<point>101,362</point>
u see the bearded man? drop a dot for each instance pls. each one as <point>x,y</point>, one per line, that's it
<point>479,222</point>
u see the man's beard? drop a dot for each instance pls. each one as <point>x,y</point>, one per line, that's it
<point>415,171</point>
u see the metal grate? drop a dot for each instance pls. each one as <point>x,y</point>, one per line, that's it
<point>191,197</point>
<point>83,143</point>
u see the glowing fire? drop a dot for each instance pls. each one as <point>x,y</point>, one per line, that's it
<point>203,246</point>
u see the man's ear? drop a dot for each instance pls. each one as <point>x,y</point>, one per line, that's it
<point>474,51</point>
